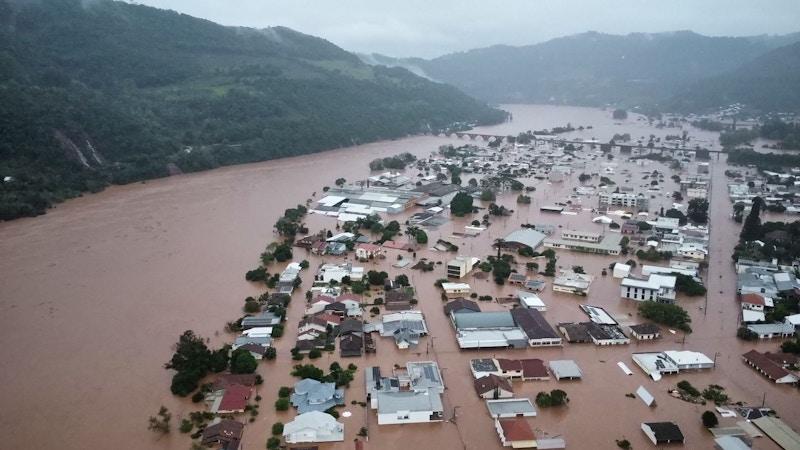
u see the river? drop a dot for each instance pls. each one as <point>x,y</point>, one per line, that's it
<point>94,294</point>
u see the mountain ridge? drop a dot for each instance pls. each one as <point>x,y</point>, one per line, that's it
<point>110,92</point>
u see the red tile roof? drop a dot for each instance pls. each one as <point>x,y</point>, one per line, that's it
<point>235,398</point>
<point>508,365</point>
<point>517,429</point>
<point>490,383</point>
<point>753,299</point>
<point>223,381</point>
<point>329,318</point>
<point>349,296</point>
<point>369,247</point>
<point>534,368</point>
<point>764,364</point>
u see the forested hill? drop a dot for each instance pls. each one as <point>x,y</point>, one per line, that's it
<point>593,68</point>
<point>98,92</point>
<point>770,82</point>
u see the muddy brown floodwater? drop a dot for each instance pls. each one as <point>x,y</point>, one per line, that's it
<point>94,294</point>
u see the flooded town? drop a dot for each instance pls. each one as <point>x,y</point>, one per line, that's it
<point>439,351</point>
<point>399,225</point>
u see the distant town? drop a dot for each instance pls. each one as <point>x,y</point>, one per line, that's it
<point>448,276</point>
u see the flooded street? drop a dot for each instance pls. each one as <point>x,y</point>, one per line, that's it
<point>94,294</point>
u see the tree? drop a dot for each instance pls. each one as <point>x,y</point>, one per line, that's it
<point>191,360</point>
<point>283,252</point>
<point>186,426</point>
<point>666,314</point>
<point>746,334</point>
<point>697,211</point>
<point>543,400</point>
<point>488,195</point>
<point>314,353</point>
<point>308,371</point>
<point>273,443</point>
<point>710,419</point>
<point>421,237</point>
<point>376,278</point>
<point>619,114</point>
<point>558,397</point>
<point>461,204</point>
<point>271,353</point>
<point>282,404</point>
<point>284,392</point>
<point>251,307</point>
<point>242,361</point>
<point>277,428</point>
<point>340,182</point>
<point>160,422</point>
<point>751,230</point>
<point>401,280</point>
<point>584,177</point>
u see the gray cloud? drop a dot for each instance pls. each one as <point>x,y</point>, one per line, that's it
<point>434,27</point>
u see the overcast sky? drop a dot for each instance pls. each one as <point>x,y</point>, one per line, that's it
<point>429,28</point>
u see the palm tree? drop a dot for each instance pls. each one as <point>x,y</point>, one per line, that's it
<point>499,244</point>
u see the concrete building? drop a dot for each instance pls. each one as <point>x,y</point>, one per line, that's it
<point>493,387</point>
<point>531,300</point>
<point>488,330</point>
<point>535,327</point>
<point>510,407</point>
<point>772,330</point>
<point>570,282</point>
<point>524,237</point>
<point>565,369</point>
<point>454,290</point>
<point>461,266</point>
<point>409,407</point>
<point>635,202</point>
<point>657,288</point>
<point>663,433</point>
<point>769,367</point>
<point>587,242</point>
<point>645,331</point>
<point>515,433</point>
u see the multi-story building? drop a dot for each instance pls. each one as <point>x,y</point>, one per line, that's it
<point>608,200</point>
<point>657,288</point>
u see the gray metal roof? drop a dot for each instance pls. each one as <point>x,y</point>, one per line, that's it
<point>565,368</point>
<point>526,236</point>
<point>491,319</point>
<point>506,407</point>
<point>390,402</point>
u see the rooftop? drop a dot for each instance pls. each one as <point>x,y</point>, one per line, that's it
<point>516,429</point>
<point>510,406</point>
<point>565,368</point>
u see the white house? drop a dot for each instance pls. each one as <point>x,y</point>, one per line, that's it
<point>572,283</point>
<point>312,323</point>
<point>367,251</point>
<point>755,302</point>
<point>695,252</point>
<point>621,270</point>
<point>461,266</point>
<point>456,289</point>
<point>658,288</point>
<point>313,426</point>
<point>409,407</point>
<point>531,300</point>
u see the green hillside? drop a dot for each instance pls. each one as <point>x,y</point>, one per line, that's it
<point>101,92</point>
